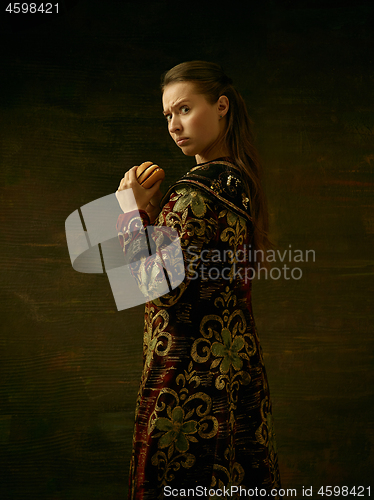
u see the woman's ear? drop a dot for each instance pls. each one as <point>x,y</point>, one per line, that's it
<point>223,105</point>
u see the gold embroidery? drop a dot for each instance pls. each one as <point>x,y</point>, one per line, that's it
<point>177,430</point>
<point>191,198</point>
<point>235,233</point>
<point>265,435</point>
<point>156,339</point>
<point>217,186</point>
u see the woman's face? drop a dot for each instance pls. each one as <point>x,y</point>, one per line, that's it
<point>195,124</point>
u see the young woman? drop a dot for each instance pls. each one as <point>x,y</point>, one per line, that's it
<point>203,422</point>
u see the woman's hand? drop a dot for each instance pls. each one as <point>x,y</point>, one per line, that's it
<point>146,199</point>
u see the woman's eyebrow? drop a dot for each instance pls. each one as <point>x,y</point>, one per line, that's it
<point>177,103</point>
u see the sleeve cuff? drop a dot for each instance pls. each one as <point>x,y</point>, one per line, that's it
<point>124,219</point>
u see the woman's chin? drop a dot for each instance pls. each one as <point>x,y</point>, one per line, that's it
<point>188,152</point>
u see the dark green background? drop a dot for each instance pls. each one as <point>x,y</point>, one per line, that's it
<point>80,104</point>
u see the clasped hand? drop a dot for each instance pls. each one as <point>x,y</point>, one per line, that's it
<point>146,199</point>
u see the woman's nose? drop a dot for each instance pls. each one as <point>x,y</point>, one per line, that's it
<point>174,125</point>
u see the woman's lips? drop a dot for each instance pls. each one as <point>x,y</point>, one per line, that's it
<point>182,141</point>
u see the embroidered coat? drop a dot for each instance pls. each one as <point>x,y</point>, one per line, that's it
<point>203,415</point>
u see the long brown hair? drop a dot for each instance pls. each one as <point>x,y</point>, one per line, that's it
<point>211,81</point>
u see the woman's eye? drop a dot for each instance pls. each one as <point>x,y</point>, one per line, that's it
<point>183,110</point>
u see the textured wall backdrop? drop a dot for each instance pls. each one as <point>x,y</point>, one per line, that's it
<point>80,104</point>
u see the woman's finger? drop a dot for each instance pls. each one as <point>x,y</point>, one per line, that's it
<point>153,190</point>
<point>124,183</point>
<point>132,175</point>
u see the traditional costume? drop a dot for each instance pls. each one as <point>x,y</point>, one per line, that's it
<point>203,414</point>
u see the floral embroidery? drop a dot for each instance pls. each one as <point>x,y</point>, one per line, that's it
<point>157,340</point>
<point>177,431</point>
<point>191,198</point>
<point>235,233</point>
<point>228,351</point>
